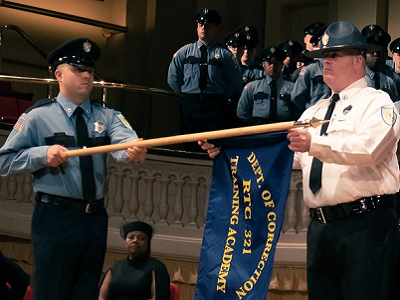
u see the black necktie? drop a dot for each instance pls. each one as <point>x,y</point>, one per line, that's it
<point>376,81</point>
<point>203,68</point>
<point>86,162</point>
<point>316,166</point>
<point>273,105</point>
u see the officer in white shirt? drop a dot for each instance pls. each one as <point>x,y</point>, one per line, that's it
<point>350,176</point>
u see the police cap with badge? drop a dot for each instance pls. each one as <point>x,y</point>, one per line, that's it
<point>251,36</point>
<point>273,54</point>
<point>342,35</point>
<point>313,28</point>
<point>80,52</point>
<point>291,48</point>
<point>208,16</point>
<point>375,34</point>
<point>316,38</point>
<point>395,46</point>
<point>235,39</point>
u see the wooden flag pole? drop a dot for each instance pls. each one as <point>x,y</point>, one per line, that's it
<point>193,137</point>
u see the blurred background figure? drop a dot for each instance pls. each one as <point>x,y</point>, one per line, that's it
<point>309,31</point>
<point>234,42</point>
<point>292,51</point>
<point>139,276</point>
<point>376,61</point>
<point>207,77</point>
<point>394,62</point>
<point>309,86</point>
<point>268,100</point>
<point>250,64</point>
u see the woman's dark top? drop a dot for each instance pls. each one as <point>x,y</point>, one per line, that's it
<point>131,280</point>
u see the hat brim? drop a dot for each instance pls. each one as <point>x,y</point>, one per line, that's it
<point>320,52</point>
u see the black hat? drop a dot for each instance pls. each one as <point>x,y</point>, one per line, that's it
<point>313,28</point>
<point>376,35</point>
<point>303,57</point>
<point>317,36</point>
<point>136,226</point>
<point>235,39</point>
<point>78,52</point>
<point>251,36</point>
<point>273,54</point>
<point>342,35</point>
<point>207,16</point>
<point>395,46</point>
<point>291,48</point>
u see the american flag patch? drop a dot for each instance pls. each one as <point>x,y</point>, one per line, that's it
<point>20,123</point>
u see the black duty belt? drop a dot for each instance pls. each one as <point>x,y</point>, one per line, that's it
<point>72,203</point>
<point>326,214</point>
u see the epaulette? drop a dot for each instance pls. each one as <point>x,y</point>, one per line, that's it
<point>40,102</point>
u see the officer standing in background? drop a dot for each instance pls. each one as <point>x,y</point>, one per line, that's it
<point>207,78</point>
<point>292,51</point>
<point>394,63</point>
<point>375,61</point>
<point>268,100</point>
<point>309,86</point>
<point>234,42</point>
<point>250,65</point>
<point>69,223</point>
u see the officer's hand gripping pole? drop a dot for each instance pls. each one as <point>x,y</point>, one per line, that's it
<point>194,137</point>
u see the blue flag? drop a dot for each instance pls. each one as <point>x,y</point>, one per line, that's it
<point>250,185</point>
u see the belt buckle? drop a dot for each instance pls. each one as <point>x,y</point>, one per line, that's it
<point>320,215</point>
<point>88,209</point>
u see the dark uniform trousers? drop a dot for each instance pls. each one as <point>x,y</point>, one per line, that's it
<point>354,258</point>
<point>202,112</point>
<point>68,248</point>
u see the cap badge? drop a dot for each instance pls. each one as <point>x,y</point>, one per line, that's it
<point>325,39</point>
<point>236,34</point>
<point>272,50</point>
<point>371,27</point>
<point>247,28</point>
<point>290,43</point>
<point>87,46</point>
<point>205,11</point>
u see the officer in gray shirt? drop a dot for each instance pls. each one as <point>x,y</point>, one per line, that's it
<point>69,223</point>
<point>207,78</point>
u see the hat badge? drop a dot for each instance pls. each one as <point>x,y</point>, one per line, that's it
<point>325,39</point>
<point>371,27</point>
<point>272,50</point>
<point>246,28</point>
<point>290,43</point>
<point>248,37</point>
<point>205,11</point>
<point>236,35</point>
<point>87,46</point>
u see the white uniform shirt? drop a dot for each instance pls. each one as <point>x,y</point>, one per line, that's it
<point>359,150</point>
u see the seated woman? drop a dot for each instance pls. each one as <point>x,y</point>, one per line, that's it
<point>139,276</point>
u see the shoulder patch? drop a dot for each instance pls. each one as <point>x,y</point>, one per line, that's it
<point>19,124</point>
<point>246,86</point>
<point>302,72</point>
<point>39,103</point>
<point>388,115</point>
<point>124,121</point>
